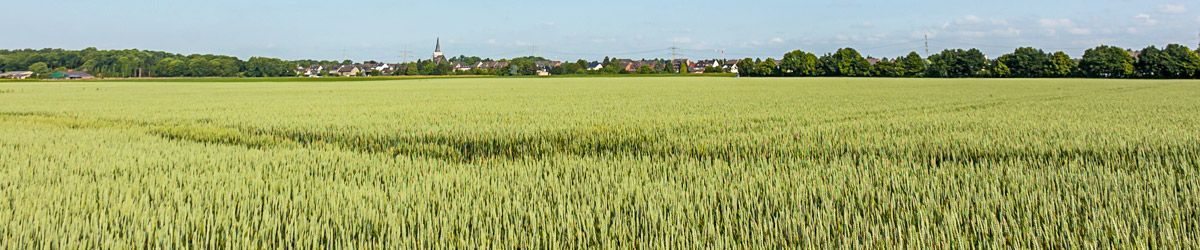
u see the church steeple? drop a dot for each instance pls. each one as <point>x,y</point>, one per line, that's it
<point>439,45</point>
<point>438,56</point>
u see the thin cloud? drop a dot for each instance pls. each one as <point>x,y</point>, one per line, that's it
<point>1172,8</point>
<point>1079,31</point>
<point>863,25</point>
<point>1056,23</point>
<point>1145,19</point>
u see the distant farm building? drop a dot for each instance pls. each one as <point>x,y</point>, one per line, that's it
<point>72,75</point>
<point>16,74</point>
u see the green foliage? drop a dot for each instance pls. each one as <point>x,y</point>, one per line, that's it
<point>887,68</point>
<point>1026,62</point>
<point>646,69</point>
<point>1061,65</point>
<point>269,67</point>
<point>1175,61</point>
<point>799,63</point>
<point>956,63</point>
<point>746,67</point>
<point>1107,62</point>
<point>845,62</point>
<point>913,64</point>
<point>40,69</point>
<point>1000,69</point>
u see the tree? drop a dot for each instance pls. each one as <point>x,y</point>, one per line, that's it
<point>887,68</point>
<point>847,62</point>
<point>913,65</point>
<point>1061,65</point>
<point>269,67</point>
<point>999,69</point>
<point>524,66</point>
<point>645,69</point>
<point>765,68</point>
<point>799,63</point>
<point>1175,61</point>
<point>1027,62</point>
<point>957,63</point>
<point>1106,61</point>
<point>40,69</point>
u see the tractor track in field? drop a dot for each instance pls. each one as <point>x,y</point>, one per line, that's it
<point>968,106</point>
<point>475,148</point>
<point>469,148</point>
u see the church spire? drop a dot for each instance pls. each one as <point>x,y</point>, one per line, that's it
<point>438,56</point>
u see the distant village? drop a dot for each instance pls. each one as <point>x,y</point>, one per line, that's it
<point>538,66</point>
<point>1174,61</point>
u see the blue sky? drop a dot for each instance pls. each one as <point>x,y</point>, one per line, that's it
<point>383,30</point>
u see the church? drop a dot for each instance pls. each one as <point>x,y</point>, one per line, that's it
<point>438,56</point>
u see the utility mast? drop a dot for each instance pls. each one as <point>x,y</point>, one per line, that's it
<point>674,53</point>
<point>926,43</point>
<point>404,56</point>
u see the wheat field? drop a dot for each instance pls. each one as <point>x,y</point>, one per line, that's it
<point>607,163</point>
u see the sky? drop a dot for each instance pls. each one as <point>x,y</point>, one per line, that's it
<point>402,30</point>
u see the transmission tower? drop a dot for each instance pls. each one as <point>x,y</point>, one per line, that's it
<point>927,43</point>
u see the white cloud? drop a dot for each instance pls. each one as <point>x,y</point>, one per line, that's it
<point>1079,31</point>
<point>973,34</point>
<point>1172,8</point>
<point>1145,19</point>
<point>1008,32</point>
<point>682,40</point>
<point>922,34</point>
<point>971,19</point>
<point>776,40</point>
<point>1056,23</point>
<point>1198,19</point>
<point>864,25</point>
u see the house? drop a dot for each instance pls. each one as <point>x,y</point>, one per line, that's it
<point>17,74</point>
<point>1136,54</point>
<point>348,70</point>
<point>676,64</point>
<point>595,66</point>
<point>544,67</point>
<point>312,71</point>
<point>459,66</point>
<point>872,60</point>
<point>494,65</point>
<point>730,66</point>
<point>699,67</point>
<point>634,66</point>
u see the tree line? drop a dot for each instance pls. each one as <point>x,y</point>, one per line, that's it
<point>1171,62</point>
<point>142,63</point>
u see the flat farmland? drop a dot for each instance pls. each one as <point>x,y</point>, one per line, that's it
<point>677,163</point>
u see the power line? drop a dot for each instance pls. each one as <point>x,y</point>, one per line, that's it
<point>674,53</point>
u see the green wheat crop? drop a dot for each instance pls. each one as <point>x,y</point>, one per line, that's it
<point>609,163</point>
